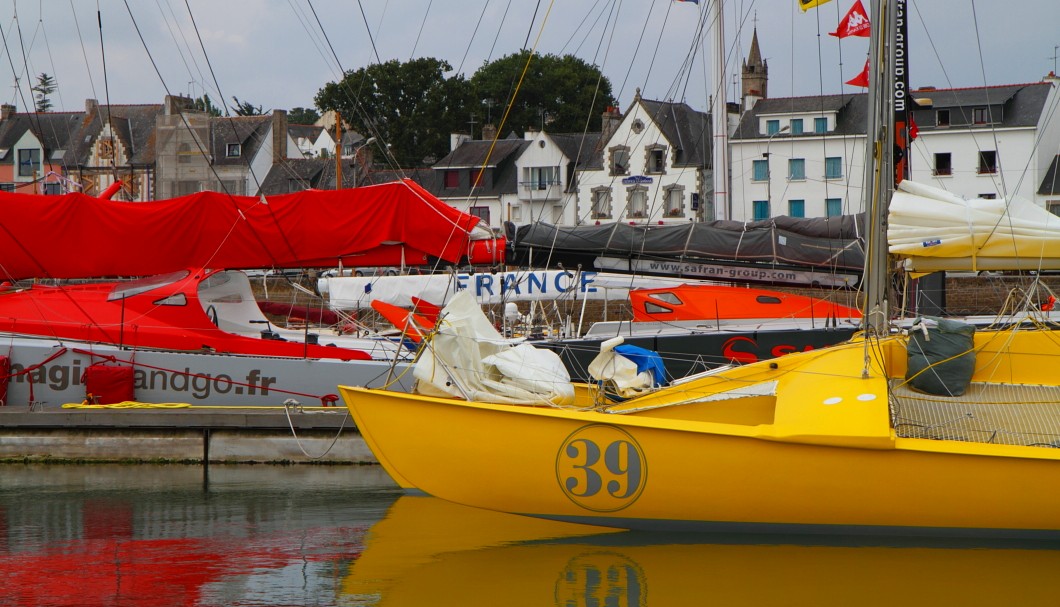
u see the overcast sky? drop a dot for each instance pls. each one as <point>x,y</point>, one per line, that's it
<point>275,54</point>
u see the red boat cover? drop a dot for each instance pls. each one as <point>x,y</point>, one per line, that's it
<point>107,384</point>
<point>77,236</point>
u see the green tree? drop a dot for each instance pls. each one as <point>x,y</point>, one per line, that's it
<point>246,108</point>
<point>204,104</point>
<point>558,94</point>
<point>410,105</point>
<point>45,86</point>
<point>302,115</point>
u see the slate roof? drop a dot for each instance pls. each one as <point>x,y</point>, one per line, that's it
<point>351,138</point>
<point>583,148</point>
<point>850,109</point>
<point>425,177</point>
<point>54,129</point>
<point>307,131</point>
<point>307,173</point>
<point>248,131</point>
<point>687,130</point>
<point>472,154</point>
<point>133,126</point>
<point>1012,105</point>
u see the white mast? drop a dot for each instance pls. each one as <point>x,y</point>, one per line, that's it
<point>720,119</point>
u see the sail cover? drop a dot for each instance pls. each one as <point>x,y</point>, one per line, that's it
<point>933,230</point>
<point>77,236</point>
<point>832,243</point>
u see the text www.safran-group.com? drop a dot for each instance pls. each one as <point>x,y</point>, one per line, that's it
<point>199,386</point>
<point>717,271</point>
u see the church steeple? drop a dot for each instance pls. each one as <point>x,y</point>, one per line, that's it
<point>755,74</point>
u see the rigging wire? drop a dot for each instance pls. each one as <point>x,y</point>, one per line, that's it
<point>84,53</point>
<point>581,24</point>
<point>367,29</point>
<point>658,43</point>
<point>504,19</point>
<point>108,124</point>
<point>354,96</point>
<point>180,51</point>
<point>213,76</point>
<point>467,49</point>
<point>53,122</point>
<point>636,51</point>
<point>34,117</point>
<point>986,87</point>
<point>537,7</point>
<point>318,43</point>
<point>424,22</point>
<point>265,247</point>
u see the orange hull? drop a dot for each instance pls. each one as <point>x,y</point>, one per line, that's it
<point>715,302</point>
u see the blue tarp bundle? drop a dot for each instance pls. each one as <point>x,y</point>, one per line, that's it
<point>646,360</point>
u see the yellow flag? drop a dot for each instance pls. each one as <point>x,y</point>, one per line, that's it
<point>808,4</point>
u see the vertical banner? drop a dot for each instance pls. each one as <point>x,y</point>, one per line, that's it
<point>900,94</point>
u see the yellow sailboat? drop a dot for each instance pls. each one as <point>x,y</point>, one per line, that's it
<point>837,440</point>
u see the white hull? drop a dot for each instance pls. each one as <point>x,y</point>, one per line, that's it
<point>181,377</point>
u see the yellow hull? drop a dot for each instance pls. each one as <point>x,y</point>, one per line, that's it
<point>430,552</point>
<point>820,455</point>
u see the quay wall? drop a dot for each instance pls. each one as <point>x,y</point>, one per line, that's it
<point>170,436</point>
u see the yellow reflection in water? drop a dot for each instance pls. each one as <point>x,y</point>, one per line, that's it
<point>430,552</point>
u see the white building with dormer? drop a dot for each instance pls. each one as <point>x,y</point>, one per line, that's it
<point>799,156</point>
<point>804,156</point>
<point>654,167</point>
<point>549,170</point>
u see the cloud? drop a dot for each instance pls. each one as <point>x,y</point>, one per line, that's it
<point>274,53</point>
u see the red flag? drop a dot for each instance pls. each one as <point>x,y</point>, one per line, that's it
<point>861,79</point>
<point>856,23</point>
<point>914,130</point>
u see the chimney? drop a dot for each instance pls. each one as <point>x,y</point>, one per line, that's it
<point>175,104</point>
<point>489,132</point>
<point>91,106</point>
<point>279,136</point>
<point>611,119</point>
<point>6,111</point>
<point>456,139</point>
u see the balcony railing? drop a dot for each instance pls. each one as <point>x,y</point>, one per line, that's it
<point>540,190</point>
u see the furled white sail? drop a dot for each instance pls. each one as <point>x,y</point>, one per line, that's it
<point>932,229</point>
<point>468,358</point>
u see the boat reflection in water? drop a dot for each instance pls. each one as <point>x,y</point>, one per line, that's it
<point>430,552</point>
<point>159,536</point>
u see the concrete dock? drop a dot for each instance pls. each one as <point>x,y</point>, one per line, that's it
<point>222,435</point>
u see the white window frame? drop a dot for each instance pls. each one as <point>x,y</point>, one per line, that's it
<point>637,202</point>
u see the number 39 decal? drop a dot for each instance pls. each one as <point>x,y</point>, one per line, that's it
<point>601,468</point>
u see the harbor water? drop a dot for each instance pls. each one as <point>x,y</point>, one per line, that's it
<point>160,535</point>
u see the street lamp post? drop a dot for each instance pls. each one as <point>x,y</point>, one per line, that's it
<point>769,168</point>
